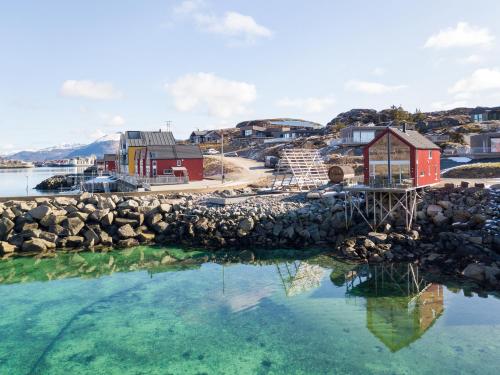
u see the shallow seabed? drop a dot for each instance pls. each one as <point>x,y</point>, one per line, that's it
<point>314,316</point>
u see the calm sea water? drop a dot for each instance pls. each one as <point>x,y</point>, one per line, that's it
<point>21,182</point>
<point>127,313</point>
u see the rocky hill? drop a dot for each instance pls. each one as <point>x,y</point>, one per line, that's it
<point>453,117</point>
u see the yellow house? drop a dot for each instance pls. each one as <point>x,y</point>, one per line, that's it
<point>133,140</point>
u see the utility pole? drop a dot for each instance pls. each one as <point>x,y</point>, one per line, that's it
<point>222,156</point>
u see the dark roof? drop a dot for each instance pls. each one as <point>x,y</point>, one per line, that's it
<point>175,152</point>
<point>109,157</point>
<point>200,132</point>
<point>158,138</point>
<point>411,137</point>
<point>150,138</point>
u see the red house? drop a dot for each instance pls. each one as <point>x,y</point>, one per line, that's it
<point>109,162</point>
<point>175,160</point>
<point>401,157</point>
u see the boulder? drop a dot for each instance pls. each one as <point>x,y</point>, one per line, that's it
<point>34,245</point>
<point>129,242</point>
<point>74,225</point>
<point>377,237</point>
<point>40,212</point>
<point>126,231</point>
<point>153,218</point>
<point>445,204</point>
<point>84,197</point>
<point>98,214</point>
<point>105,239</point>
<point>108,219</point>
<point>74,241</point>
<point>52,219</point>
<point>65,201</point>
<point>165,208</point>
<point>49,237</point>
<point>6,226</point>
<point>83,216</point>
<point>146,237</point>
<point>246,225</point>
<point>91,236</point>
<point>474,271</point>
<point>120,221</point>
<point>106,203</point>
<point>434,209</point>
<point>7,248</point>
<point>129,204</point>
<point>440,219</point>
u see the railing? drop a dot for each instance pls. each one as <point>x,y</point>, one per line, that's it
<point>158,180</point>
<point>164,180</point>
<point>380,182</point>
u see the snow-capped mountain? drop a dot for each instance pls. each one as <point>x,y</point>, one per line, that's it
<point>104,145</point>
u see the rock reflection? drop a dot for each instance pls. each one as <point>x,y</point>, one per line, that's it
<point>95,265</point>
<point>400,304</point>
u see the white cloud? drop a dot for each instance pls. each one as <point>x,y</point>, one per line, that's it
<point>480,80</point>
<point>221,97</point>
<point>188,6</point>
<point>112,120</point>
<point>471,59</point>
<point>442,106</point>
<point>90,89</point>
<point>463,35</point>
<point>372,87</point>
<point>378,71</point>
<point>233,24</point>
<point>308,105</point>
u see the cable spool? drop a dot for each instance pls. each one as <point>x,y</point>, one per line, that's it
<point>340,173</point>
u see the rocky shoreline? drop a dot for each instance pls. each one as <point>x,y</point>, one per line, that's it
<point>457,231</point>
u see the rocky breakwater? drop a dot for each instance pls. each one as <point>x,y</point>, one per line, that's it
<point>44,225</point>
<point>457,233</point>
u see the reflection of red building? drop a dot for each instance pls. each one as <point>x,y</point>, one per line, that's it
<point>401,157</point>
<point>175,160</point>
<point>109,162</point>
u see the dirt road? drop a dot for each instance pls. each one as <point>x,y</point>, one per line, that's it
<point>251,172</point>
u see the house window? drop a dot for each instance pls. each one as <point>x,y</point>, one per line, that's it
<point>168,172</point>
<point>430,154</point>
<point>179,163</point>
<point>422,174</point>
<point>248,132</point>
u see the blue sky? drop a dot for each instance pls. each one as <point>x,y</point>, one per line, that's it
<point>72,71</point>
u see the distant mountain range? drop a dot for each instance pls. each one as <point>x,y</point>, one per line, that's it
<point>105,145</point>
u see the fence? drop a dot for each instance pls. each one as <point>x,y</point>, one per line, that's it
<point>158,180</point>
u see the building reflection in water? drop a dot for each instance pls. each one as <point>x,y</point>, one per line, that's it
<point>400,305</point>
<point>299,276</point>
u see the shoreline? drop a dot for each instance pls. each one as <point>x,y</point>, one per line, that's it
<point>455,234</point>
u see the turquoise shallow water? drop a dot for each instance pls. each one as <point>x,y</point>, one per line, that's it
<point>127,313</point>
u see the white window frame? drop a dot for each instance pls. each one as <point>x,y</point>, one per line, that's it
<point>179,163</point>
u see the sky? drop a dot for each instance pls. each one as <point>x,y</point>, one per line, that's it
<point>74,71</point>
